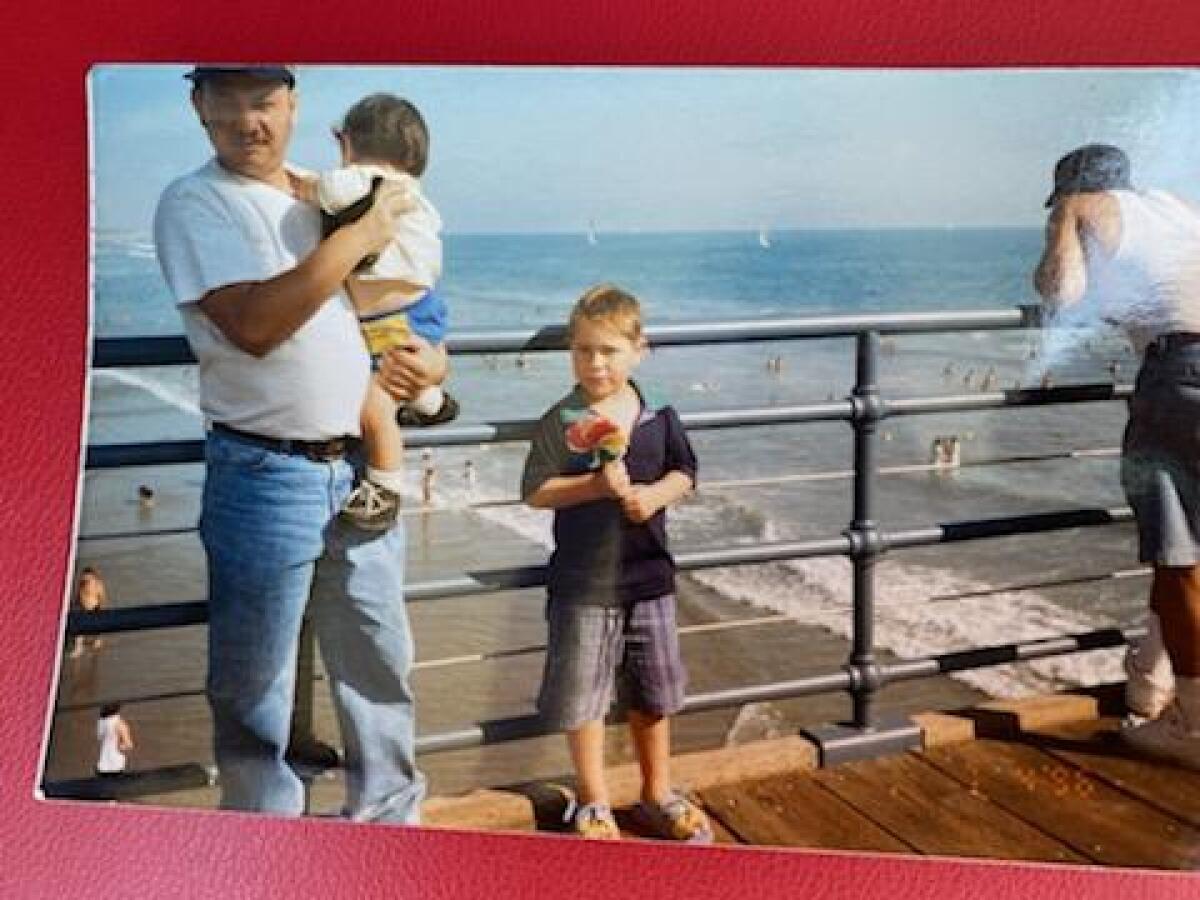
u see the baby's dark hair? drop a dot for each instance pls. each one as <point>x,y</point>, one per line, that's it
<point>387,128</point>
<point>109,709</point>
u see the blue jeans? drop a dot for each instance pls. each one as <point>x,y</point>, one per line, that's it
<point>275,546</point>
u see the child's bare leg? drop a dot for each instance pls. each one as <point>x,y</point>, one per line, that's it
<point>652,741</point>
<point>587,754</point>
<point>383,440</point>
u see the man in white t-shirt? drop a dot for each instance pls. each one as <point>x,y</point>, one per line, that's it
<point>283,375</point>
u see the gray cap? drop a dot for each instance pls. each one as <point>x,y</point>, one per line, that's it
<point>286,74</point>
<point>1088,169</point>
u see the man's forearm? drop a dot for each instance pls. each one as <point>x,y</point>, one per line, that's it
<point>1061,275</point>
<point>259,316</point>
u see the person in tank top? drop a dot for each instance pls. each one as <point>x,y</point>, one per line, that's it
<point>1132,257</point>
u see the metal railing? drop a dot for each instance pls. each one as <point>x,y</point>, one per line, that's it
<point>864,540</point>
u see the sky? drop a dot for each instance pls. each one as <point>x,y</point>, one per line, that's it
<point>526,149</point>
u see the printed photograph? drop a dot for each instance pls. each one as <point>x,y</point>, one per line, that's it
<point>760,457</point>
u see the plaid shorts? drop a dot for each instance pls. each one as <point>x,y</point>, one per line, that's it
<point>591,647</point>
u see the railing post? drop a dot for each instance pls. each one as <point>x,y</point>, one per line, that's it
<point>864,736</point>
<point>864,534</point>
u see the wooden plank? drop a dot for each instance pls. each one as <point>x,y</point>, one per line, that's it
<point>937,814</point>
<point>793,811</point>
<point>1094,818</point>
<point>1096,747</point>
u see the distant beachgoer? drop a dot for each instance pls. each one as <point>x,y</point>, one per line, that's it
<point>1131,257</point>
<point>383,140</point>
<point>522,361</point>
<point>145,496</point>
<point>283,373</point>
<point>115,738</point>
<point>92,596</point>
<point>469,477</point>
<point>428,477</point>
<point>989,379</point>
<point>609,461</point>
<point>946,451</point>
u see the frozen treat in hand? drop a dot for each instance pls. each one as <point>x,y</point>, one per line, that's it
<point>597,435</point>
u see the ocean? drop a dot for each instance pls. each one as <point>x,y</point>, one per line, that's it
<point>757,484</point>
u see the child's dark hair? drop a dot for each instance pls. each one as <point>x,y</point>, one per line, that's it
<point>611,305</point>
<point>109,709</point>
<point>387,128</point>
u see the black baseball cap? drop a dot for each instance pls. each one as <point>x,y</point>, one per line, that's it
<point>286,74</point>
<point>1091,168</point>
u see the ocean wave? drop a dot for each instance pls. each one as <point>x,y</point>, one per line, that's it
<point>819,591</point>
<point>125,241</point>
<point>178,397</point>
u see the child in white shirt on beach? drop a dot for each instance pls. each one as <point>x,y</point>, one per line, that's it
<point>383,138</point>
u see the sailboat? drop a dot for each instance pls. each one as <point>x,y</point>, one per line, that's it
<point>764,240</point>
<point>591,234</point>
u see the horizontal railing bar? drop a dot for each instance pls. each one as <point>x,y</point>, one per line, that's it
<point>109,456</point>
<point>798,478</point>
<point>983,657</point>
<point>499,730</point>
<point>522,727</point>
<point>529,726</point>
<point>138,618</point>
<point>1073,393</point>
<point>172,615</point>
<point>127,352</point>
<point>1006,526</point>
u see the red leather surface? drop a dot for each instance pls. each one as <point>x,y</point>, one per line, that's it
<point>74,850</point>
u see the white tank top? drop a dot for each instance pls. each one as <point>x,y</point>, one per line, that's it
<point>1151,285</point>
<point>111,758</point>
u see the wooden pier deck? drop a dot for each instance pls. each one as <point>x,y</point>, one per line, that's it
<point>1040,780</point>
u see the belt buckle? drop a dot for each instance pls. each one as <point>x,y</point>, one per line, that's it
<point>325,451</point>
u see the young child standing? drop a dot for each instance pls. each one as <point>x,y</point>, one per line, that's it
<point>384,138</point>
<point>609,462</point>
<point>115,739</point>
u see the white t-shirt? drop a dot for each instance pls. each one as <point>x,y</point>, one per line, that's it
<point>415,252</point>
<point>215,228</point>
<point>111,758</point>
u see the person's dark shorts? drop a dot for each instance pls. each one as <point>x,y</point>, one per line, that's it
<point>591,648</point>
<point>1160,457</point>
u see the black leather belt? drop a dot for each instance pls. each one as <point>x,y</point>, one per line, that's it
<point>318,451</point>
<point>1166,343</point>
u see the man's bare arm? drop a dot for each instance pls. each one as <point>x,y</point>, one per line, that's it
<point>1061,276</point>
<point>370,296</point>
<point>258,316</point>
